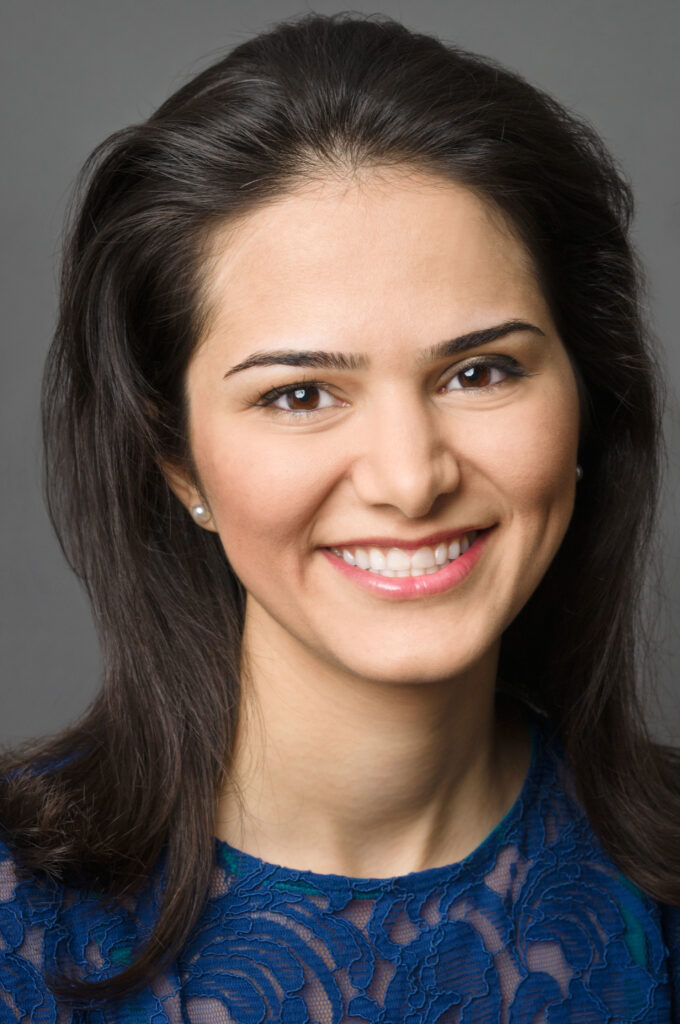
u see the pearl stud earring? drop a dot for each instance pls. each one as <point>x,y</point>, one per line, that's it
<point>200,513</point>
<point>579,472</point>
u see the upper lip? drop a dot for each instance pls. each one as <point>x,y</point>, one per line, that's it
<point>395,542</point>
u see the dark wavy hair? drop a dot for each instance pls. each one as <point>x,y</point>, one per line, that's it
<point>135,781</point>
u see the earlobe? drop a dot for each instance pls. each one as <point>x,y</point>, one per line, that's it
<point>187,492</point>
<point>201,514</point>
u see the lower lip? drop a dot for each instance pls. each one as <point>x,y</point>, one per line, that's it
<point>396,587</point>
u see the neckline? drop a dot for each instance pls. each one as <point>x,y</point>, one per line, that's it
<point>241,865</point>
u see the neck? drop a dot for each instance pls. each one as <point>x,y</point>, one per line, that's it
<point>338,774</point>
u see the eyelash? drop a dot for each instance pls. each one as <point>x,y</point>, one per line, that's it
<point>506,364</point>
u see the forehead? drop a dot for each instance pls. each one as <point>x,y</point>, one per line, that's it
<point>385,247</point>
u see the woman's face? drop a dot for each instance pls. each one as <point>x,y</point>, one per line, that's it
<point>426,418</point>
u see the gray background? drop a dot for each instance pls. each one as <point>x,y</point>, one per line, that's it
<point>75,70</point>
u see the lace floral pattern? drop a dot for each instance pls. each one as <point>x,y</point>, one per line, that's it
<point>535,925</point>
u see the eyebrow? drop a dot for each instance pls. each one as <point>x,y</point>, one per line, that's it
<point>355,361</point>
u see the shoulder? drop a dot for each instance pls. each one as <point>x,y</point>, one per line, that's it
<point>24,896</point>
<point>573,892</point>
<point>27,906</point>
<point>51,930</point>
<point>670,925</point>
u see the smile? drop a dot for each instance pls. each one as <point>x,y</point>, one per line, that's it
<point>398,562</point>
<point>426,571</point>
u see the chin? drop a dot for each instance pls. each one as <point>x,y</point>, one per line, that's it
<point>404,668</point>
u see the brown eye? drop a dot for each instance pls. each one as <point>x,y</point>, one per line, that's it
<point>303,399</point>
<point>486,374</point>
<point>475,377</point>
<point>297,399</point>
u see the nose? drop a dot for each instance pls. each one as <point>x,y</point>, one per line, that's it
<point>407,456</point>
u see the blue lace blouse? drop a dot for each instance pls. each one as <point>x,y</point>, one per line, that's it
<point>535,925</point>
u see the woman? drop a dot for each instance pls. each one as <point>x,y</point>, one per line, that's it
<point>351,432</point>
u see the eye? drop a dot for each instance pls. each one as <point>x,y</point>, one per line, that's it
<point>485,373</point>
<point>297,399</point>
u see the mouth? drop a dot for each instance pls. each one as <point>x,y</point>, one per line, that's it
<point>408,572</point>
<point>407,560</point>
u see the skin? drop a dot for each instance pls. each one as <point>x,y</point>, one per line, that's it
<point>370,742</point>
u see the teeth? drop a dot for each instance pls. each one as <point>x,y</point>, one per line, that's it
<point>423,558</point>
<point>376,560</point>
<point>398,560</point>
<point>361,558</point>
<point>399,563</point>
<point>441,554</point>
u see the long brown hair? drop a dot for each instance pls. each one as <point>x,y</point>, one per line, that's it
<point>135,781</point>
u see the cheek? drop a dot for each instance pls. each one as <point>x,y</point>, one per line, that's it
<point>539,457</point>
<point>263,493</point>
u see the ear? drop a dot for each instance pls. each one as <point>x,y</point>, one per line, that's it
<point>183,487</point>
